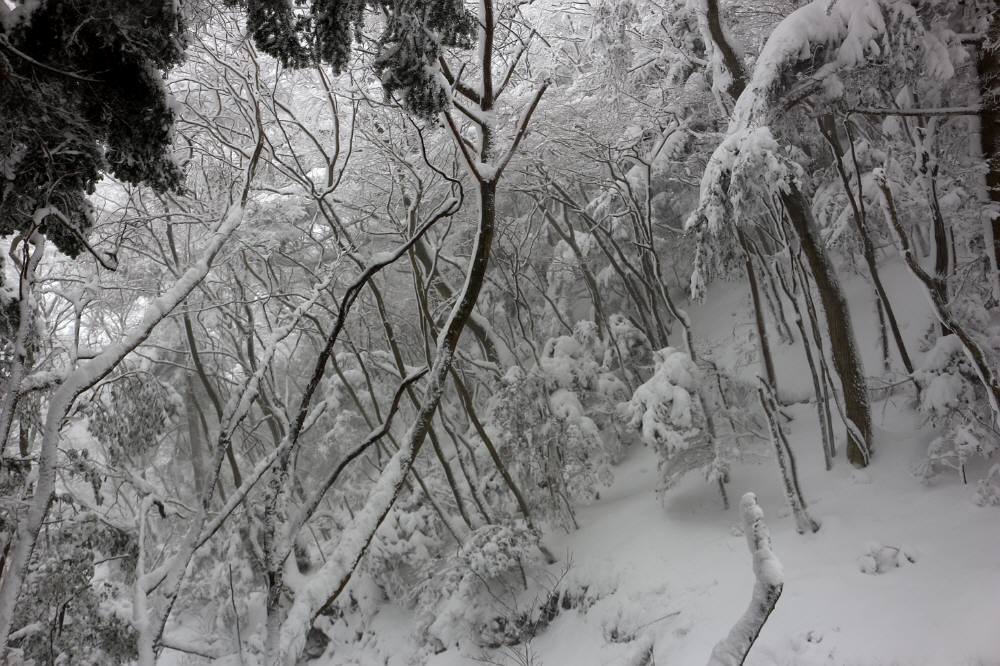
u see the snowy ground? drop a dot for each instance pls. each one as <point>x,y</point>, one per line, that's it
<point>672,573</point>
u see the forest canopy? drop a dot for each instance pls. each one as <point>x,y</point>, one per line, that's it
<point>340,330</point>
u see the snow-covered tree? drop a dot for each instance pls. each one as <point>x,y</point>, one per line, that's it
<point>954,399</point>
<point>668,416</point>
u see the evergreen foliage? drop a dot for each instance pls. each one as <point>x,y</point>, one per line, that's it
<point>81,94</point>
<point>412,36</point>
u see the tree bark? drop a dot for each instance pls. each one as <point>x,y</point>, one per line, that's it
<point>22,344</point>
<point>988,69</point>
<point>846,358</point>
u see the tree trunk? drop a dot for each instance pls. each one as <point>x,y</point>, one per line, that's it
<point>26,317</point>
<point>338,570</point>
<point>786,463</point>
<point>846,359</point>
<point>767,361</point>
<point>828,128</point>
<point>445,292</point>
<point>819,387</point>
<point>883,336</point>
<point>84,377</point>
<point>988,68</point>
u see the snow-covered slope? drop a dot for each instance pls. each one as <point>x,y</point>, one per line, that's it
<point>665,576</point>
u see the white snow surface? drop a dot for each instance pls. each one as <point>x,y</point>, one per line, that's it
<point>652,559</point>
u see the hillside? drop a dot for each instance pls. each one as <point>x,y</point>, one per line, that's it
<point>670,571</point>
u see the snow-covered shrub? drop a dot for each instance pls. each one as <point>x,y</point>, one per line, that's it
<point>557,423</point>
<point>226,591</point>
<point>953,398</point>
<point>554,450</point>
<point>988,488</point>
<point>480,594</point>
<point>632,352</point>
<point>880,558</point>
<point>627,618</point>
<point>565,286</point>
<point>128,415</point>
<point>956,447</point>
<point>517,423</point>
<point>406,546</point>
<point>947,380</point>
<point>73,609</point>
<point>8,310</point>
<point>585,462</point>
<point>661,407</point>
<point>666,412</point>
<point>737,413</point>
<point>568,361</point>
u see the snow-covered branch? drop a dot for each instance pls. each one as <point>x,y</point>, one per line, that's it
<point>939,111</point>
<point>522,129</point>
<point>827,37</point>
<point>769,575</point>
<point>89,373</point>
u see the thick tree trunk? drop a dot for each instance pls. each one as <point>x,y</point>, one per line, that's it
<point>988,68</point>
<point>846,358</point>
<point>444,290</point>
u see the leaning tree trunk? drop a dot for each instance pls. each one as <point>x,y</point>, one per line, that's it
<point>763,341</point>
<point>786,462</point>
<point>988,69</point>
<point>819,386</point>
<point>846,358</point>
<point>828,128</point>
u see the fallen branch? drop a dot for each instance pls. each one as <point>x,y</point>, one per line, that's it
<point>733,649</point>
